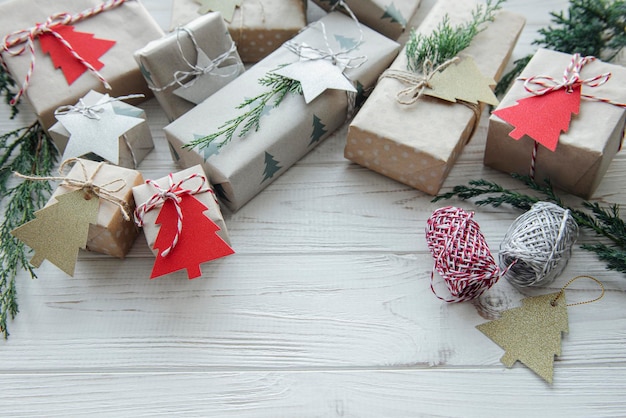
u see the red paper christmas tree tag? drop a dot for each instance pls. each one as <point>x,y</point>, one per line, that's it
<point>543,117</point>
<point>89,48</point>
<point>197,241</point>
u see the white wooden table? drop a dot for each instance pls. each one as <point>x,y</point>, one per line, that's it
<point>325,310</point>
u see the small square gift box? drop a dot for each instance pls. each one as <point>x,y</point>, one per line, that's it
<point>389,17</point>
<point>191,63</point>
<point>182,222</point>
<point>58,51</point>
<point>418,119</point>
<point>258,27</point>
<point>281,108</point>
<point>104,128</point>
<point>562,121</point>
<point>91,209</point>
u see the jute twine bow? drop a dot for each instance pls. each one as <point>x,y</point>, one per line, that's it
<point>91,111</point>
<point>28,36</point>
<point>539,242</point>
<point>543,84</point>
<point>461,255</point>
<point>175,193</point>
<point>416,83</point>
<point>180,77</point>
<point>87,185</point>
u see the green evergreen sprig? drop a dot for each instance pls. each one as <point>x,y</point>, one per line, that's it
<point>604,221</point>
<point>446,41</point>
<point>590,27</point>
<point>6,89</point>
<point>279,85</point>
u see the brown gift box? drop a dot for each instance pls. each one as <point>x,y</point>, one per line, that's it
<point>112,235</point>
<point>135,144</point>
<point>145,191</point>
<point>418,144</point>
<point>584,152</point>
<point>258,27</point>
<point>388,17</point>
<point>163,58</point>
<point>129,25</point>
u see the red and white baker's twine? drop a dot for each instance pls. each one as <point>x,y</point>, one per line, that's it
<point>28,36</point>
<point>542,84</point>
<point>461,255</point>
<point>174,193</point>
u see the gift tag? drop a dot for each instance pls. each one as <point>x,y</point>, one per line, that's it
<point>225,7</point>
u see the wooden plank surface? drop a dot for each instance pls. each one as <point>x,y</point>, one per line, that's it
<point>325,310</point>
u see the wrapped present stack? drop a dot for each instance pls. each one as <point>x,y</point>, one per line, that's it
<point>413,133</point>
<point>189,64</point>
<point>258,27</point>
<point>239,167</point>
<point>565,131</point>
<point>102,37</point>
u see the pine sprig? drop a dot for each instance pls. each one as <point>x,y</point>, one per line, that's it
<point>446,41</point>
<point>590,27</point>
<point>279,86</point>
<point>6,89</point>
<point>603,221</point>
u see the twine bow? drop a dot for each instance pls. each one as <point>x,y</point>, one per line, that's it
<point>416,83</point>
<point>174,192</point>
<point>87,185</point>
<point>91,111</point>
<point>28,36</point>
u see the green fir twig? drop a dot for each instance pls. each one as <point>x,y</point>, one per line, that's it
<point>279,86</point>
<point>7,85</point>
<point>605,222</point>
<point>446,41</point>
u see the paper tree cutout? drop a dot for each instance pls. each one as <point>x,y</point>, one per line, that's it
<point>346,42</point>
<point>462,81</point>
<point>271,167</point>
<point>213,148</point>
<point>220,192</point>
<point>319,130</point>
<point>542,118</point>
<point>361,94</point>
<point>85,45</point>
<point>225,7</point>
<point>100,136</point>
<point>531,333</point>
<point>60,230</point>
<point>198,241</point>
<point>394,14</point>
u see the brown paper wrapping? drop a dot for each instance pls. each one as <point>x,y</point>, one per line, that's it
<point>144,192</point>
<point>240,170</point>
<point>113,235</point>
<point>135,144</point>
<point>258,26</point>
<point>129,25</point>
<point>584,153</point>
<point>162,58</point>
<point>388,17</point>
<point>418,144</point>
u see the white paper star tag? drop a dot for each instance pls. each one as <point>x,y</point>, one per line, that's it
<point>225,7</point>
<point>99,135</point>
<point>204,85</point>
<point>316,76</point>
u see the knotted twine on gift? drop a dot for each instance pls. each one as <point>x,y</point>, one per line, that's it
<point>28,36</point>
<point>461,254</point>
<point>175,193</point>
<point>538,244</point>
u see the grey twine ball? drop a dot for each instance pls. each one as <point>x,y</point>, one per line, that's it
<point>540,243</point>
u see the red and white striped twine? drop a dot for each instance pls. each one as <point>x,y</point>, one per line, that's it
<point>461,254</point>
<point>28,36</point>
<point>174,192</point>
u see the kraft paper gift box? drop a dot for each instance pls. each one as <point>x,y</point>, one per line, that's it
<point>417,144</point>
<point>258,27</point>
<point>388,17</point>
<point>144,192</point>
<point>188,65</point>
<point>112,234</point>
<point>242,168</point>
<point>583,153</point>
<point>134,143</point>
<point>129,26</point>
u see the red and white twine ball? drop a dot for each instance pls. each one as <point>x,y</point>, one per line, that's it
<point>460,253</point>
